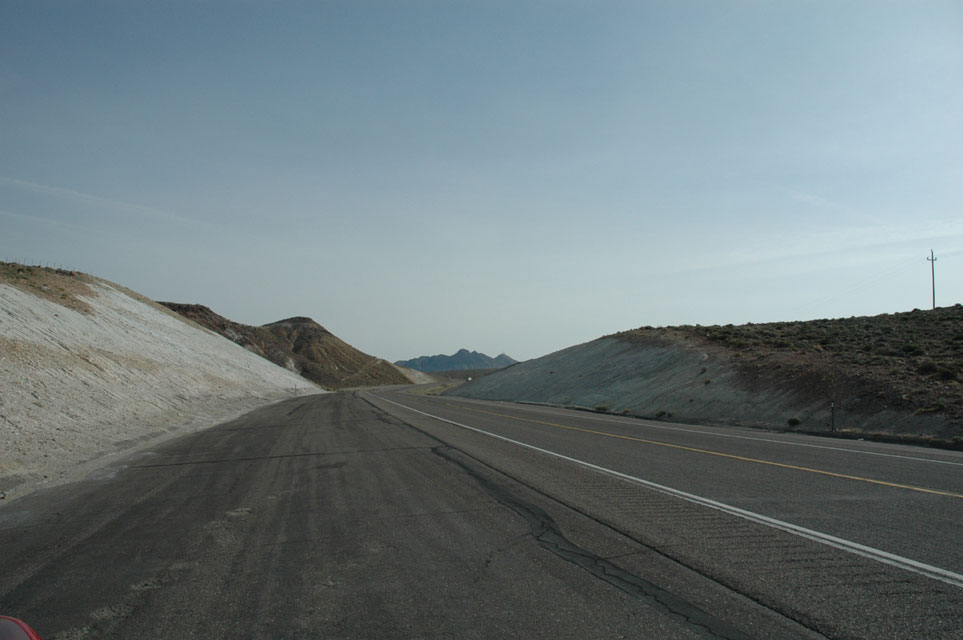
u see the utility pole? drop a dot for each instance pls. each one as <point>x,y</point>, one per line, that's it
<point>932,261</point>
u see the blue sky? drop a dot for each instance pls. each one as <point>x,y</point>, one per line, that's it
<point>421,176</point>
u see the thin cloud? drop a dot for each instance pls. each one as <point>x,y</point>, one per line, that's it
<point>46,221</point>
<point>80,197</point>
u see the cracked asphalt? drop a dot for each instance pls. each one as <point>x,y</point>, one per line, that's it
<point>343,516</point>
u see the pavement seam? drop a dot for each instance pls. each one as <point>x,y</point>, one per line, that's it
<point>277,457</point>
<point>878,555</point>
<point>549,535</point>
<point>603,569</point>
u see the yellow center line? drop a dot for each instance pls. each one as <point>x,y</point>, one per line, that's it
<point>715,453</point>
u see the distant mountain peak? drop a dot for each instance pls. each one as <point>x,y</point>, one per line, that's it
<point>461,360</point>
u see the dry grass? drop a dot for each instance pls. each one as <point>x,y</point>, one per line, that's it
<point>928,342</point>
<point>57,285</point>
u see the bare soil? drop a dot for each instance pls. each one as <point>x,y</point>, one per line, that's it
<point>57,285</point>
<point>88,369</point>
<point>301,345</point>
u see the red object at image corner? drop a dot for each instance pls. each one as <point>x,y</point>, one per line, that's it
<point>13,629</point>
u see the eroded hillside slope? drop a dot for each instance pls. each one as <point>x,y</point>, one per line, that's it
<point>303,346</point>
<point>88,368</point>
<point>322,356</point>
<point>897,374</point>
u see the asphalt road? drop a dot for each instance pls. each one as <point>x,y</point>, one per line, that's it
<point>387,514</point>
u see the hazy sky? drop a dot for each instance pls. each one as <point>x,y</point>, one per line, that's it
<point>420,176</point>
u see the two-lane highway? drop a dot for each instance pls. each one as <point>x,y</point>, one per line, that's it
<point>327,517</point>
<point>880,524</point>
<point>390,514</point>
<point>902,500</point>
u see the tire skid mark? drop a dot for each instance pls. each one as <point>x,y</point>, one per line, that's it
<point>104,620</point>
<point>50,557</point>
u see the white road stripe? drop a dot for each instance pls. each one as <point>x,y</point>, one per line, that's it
<point>878,555</point>
<point>648,423</point>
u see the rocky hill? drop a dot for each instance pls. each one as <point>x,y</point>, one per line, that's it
<point>463,360</point>
<point>303,346</point>
<point>896,374</point>
<point>89,368</point>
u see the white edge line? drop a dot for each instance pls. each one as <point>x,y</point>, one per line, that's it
<point>878,555</point>
<point>648,423</point>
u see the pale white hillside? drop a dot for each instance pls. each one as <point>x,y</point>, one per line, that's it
<point>111,374</point>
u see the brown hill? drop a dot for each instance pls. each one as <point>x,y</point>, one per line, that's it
<point>328,360</point>
<point>301,345</point>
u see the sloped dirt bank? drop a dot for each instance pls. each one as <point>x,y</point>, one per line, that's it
<point>674,378</point>
<point>303,346</point>
<point>98,370</point>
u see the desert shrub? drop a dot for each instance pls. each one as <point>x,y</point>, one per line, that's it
<point>945,373</point>
<point>927,368</point>
<point>601,408</point>
<point>936,407</point>
<point>793,422</point>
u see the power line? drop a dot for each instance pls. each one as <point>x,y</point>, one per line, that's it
<point>932,261</point>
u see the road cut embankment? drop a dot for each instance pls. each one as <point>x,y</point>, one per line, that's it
<point>99,370</point>
<point>681,381</point>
